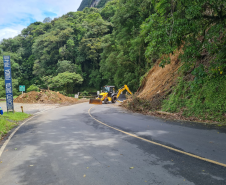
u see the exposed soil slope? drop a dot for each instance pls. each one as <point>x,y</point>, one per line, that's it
<point>159,80</point>
<point>45,96</point>
<point>156,86</point>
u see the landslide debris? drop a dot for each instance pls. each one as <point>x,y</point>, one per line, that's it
<point>155,86</point>
<point>160,80</point>
<point>45,97</point>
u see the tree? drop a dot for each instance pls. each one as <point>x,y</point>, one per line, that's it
<point>66,66</point>
<point>66,81</point>
<point>47,80</point>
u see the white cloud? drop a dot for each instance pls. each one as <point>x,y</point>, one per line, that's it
<point>16,15</point>
<point>10,32</point>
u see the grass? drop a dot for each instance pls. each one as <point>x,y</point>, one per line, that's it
<point>17,116</point>
<point>10,120</point>
<point>5,126</point>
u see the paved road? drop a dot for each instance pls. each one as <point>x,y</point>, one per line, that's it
<point>66,146</point>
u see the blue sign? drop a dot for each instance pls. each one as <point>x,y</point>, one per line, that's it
<point>8,83</point>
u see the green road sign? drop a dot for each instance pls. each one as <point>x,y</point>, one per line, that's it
<point>22,88</point>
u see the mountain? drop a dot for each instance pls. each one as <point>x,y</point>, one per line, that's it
<point>92,3</point>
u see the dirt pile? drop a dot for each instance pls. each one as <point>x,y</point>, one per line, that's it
<point>46,97</point>
<point>159,81</point>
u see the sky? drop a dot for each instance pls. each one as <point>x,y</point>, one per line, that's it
<point>15,15</point>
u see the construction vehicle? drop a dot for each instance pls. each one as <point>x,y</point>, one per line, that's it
<point>108,94</point>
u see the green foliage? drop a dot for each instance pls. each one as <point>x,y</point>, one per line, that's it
<point>121,41</point>
<point>205,100</point>
<point>102,3</point>
<point>7,121</point>
<point>197,26</point>
<point>66,81</point>
<point>95,79</point>
<point>122,60</point>
<point>47,81</point>
<point>33,88</point>
<point>200,75</point>
<point>84,93</point>
<point>108,11</point>
<point>118,44</point>
<point>15,85</point>
<point>16,116</point>
<point>5,126</point>
<point>66,66</point>
<point>2,88</point>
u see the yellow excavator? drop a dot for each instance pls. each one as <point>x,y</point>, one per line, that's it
<point>108,95</point>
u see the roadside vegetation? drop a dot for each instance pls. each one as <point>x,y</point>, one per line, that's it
<point>119,43</point>
<point>10,120</point>
<point>206,102</point>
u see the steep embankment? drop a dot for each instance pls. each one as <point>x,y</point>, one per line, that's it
<point>171,92</point>
<point>155,86</point>
<point>160,80</point>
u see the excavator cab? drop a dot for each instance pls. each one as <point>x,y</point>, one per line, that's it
<point>108,89</point>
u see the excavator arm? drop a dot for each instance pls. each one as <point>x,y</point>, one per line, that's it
<point>125,87</point>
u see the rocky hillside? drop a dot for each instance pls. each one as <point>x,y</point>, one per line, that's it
<point>92,3</point>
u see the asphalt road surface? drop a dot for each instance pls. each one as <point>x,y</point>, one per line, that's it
<point>66,146</point>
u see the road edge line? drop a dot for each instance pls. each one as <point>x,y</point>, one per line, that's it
<point>12,134</point>
<point>158,144</point>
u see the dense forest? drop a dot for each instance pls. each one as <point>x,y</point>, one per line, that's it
<point>118,43</point>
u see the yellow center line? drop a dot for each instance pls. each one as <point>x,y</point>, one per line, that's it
<point>155,143</point>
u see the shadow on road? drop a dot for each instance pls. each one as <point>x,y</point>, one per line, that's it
<point>67,151</point>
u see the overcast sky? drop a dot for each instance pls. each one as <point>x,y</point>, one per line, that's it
<point>18,14</point>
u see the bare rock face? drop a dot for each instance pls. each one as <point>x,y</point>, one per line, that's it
<point>95,3</point>
<point>91,3</point>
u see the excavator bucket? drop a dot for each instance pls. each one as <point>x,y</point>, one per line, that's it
<point>95,101</point>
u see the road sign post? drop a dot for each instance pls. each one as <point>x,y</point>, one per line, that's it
<point>22,88</point>
<point>8,83</point>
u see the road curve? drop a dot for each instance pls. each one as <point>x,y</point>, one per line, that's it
<point>66,146</point>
